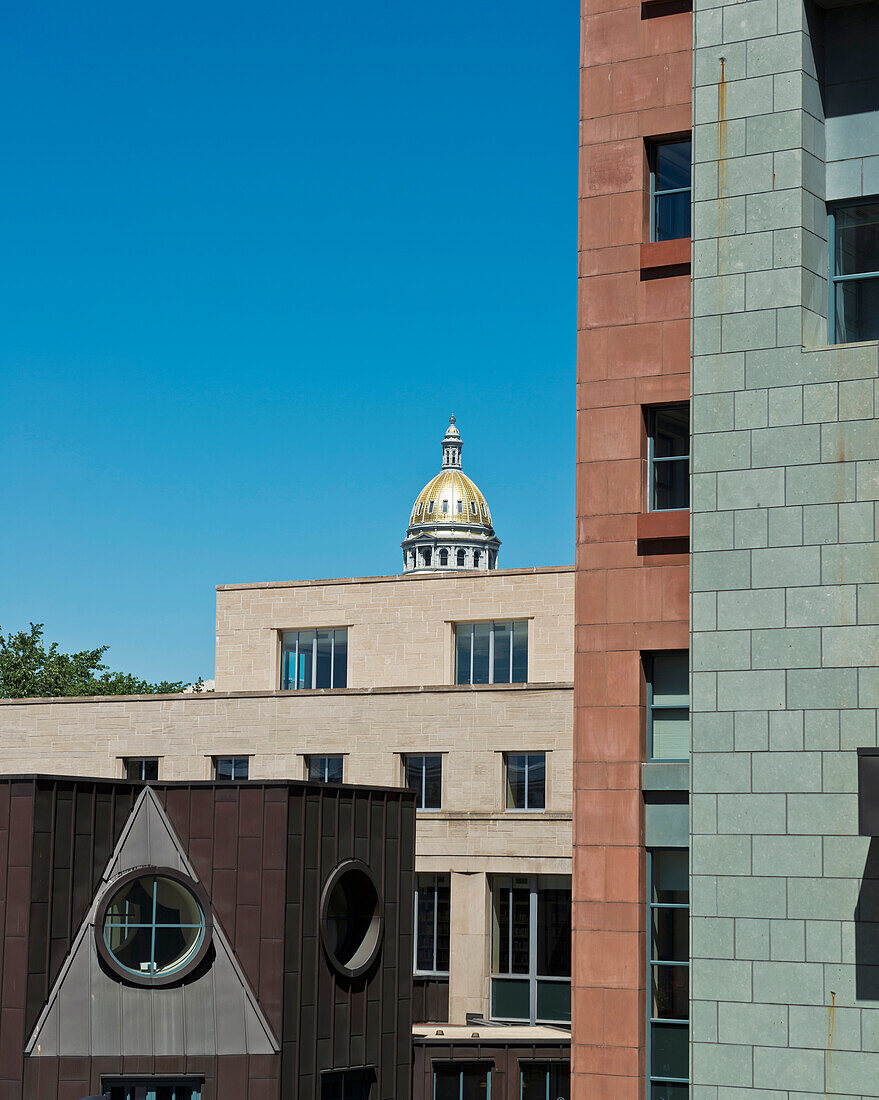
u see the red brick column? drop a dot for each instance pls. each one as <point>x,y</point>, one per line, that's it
<point>632,597</point>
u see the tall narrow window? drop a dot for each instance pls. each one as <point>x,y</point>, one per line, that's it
<point>444,557</point>
<point>531,949</point>
<point>545,1080</point>
<point>424,775</point>
<point>231,767</point>
<point>460,557</point>
<point>668,1009</point>
<point>668,437</point>
<point>526,780</point>
<point>432,925</point>
<point>670,189</point>
<point>491,653</point>
<point>668,705</point>
<point>325,769</point>
<point>461,1081</point>
<point>144,768</point>
<point>854,272</point>
<point>314,659</point>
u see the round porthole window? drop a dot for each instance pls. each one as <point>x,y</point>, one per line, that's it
<point>153,926</point>
<point>351,921</point>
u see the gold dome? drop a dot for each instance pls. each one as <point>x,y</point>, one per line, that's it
<point>450,497</point>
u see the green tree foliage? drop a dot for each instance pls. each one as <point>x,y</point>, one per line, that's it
<point>28,669</point>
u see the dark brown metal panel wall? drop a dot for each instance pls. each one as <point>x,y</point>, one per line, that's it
<point>503,1059</point>
<point>430,1001</point>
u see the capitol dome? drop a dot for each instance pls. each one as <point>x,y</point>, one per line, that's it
<point>450,524</point>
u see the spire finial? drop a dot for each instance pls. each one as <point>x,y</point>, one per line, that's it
<point>452,419</point>
<point>452,446</point>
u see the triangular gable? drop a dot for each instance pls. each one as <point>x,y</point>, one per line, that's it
<point>91,1014</point>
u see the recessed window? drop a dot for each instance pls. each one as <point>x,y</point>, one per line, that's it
<point>445,507</point>
<point>531,949</point>
<point>491,653</point>
<point>151,927</point>
<point>351,921</point>
<point>231,767</point>
<point>670,172</point>
<point>460,557</point>
<point>668,997</point>
<point>424,775</point>
<point>432,925</point>
<point>150,1088</point>
<point>420,508</point>
<point>426,556</point>
<point>145,768</point>
<point>476,557</point>
<point>525,780</point>
<point>325,769</point>
<point>444,557</point>
<point>668,438</point>
<point>351,1084</point>
<point>313,659</point>
<point>668,705</point>
<point>474,511</point>
<point>545,1080</point>
<point>430,508</point>
<point>461,1081</point>
<point>854,272</point>
<point>459,507</point>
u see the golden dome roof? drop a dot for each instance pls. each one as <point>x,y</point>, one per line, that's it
<point>450,497</point>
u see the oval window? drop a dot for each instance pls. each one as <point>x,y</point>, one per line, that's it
<point>351,921</point>
<point>153,926</point>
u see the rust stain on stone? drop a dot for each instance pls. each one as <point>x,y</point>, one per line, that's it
<point>721,149</point>
<point>831,1026</point>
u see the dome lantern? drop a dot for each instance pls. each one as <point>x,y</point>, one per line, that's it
<point>450,524</point>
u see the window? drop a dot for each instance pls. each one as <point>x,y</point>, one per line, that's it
<point>475,558</point>
<point>430,508</point>
<point>670,189</point>
<point>325,769</point>
<point>854,272</point>
<point>420,508</point>
<point>314,659</point>
<point>445,507</point>
<point>531,949</point>
<point>459,507</point>
<point>668,706</point>
<point>351,918</point>
<point>150,1089</point>
<point>668,449</point>
<point>526,780</point>
<point>669,961</point>
<point>474,511</point>
<point>432,924</point>
<point>151,927</point>
<point>444,557</point>
<point>352,1084</point>
<point>142,767</point>
<point>460,557</point>
<point>231,767</point>
<point>461,1081</point>
<point>424,775</point>
<point>491,653</point>
<point>545,1080</point>
<point>425,556</point>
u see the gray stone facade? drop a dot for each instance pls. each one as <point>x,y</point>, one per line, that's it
<point>785,565</point>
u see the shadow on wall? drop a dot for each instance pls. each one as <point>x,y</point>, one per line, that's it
<point>867,928</point>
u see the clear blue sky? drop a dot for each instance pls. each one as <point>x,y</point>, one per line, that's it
<point>253,255</point>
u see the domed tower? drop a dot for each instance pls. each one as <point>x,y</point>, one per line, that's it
<point>450,526</point>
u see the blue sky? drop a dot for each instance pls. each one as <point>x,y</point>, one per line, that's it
<point>253,256</point>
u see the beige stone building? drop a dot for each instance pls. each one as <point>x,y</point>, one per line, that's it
<point>456,683</point>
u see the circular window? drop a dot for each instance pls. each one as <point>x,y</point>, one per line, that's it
<point>351,921</point>
<point>153,926</point>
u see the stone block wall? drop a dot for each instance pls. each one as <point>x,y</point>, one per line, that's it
<point>785,565</point>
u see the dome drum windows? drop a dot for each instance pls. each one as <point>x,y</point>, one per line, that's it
<point>444,557</point>
<point>153,926</point>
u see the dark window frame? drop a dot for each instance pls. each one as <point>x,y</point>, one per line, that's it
<point>324,759</point>
<point>423,884</point>
<point>652,481</point>
<point>656,195</point>
<point>236,760</point>
<point>652,963</point>
<point>461,1067</point>
<point>143,761</point>
<point>835,279</point>
<point>410,758</point>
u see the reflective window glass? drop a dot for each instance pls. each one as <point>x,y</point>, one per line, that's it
<point>325,769</point>
<point>143,768</point>
<point>312,659</point>
<point>231,767</point>
<point>153,926</point>
<point>526,781</point>
<point>669,456</point>
<point>670,183</point>
<point>432,924</point>
<point>668,996</point>
<point>424,775</point>
<point>461,1081</point>
<point>545,1081</point>
<point>491,652</point>
<point>668,705</point>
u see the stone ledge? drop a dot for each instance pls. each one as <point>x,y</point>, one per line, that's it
<point>393,578</point>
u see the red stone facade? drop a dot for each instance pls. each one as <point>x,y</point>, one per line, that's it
<point>632,566</point>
